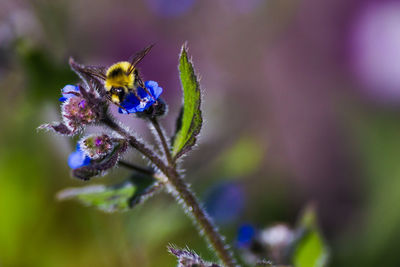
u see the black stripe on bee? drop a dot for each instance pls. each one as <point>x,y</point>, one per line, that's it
<point>115,73</point>
<point>120,92</point>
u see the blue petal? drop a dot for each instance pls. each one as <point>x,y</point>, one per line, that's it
<point>245,235</point>
<point>78,159</point>
<point>132,104</point>
<point>68,88</point>
<point>154,89</point>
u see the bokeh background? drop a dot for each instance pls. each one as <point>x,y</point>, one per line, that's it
<point>301,102</point>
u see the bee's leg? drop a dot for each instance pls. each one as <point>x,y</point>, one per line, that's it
<point>117,104</point>
<point>147,91</point>
<point>137,95</point>
<point>141,84</point>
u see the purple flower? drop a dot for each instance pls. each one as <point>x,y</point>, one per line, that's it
<point>78,158</point>
<point>132,104</point>
<point>76,113</point>
<point>97,146</point>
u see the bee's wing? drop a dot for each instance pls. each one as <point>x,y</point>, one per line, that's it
<point>98,72</point>
<point>139,80</point>
<point>136,58</point>
<point>93,76</point>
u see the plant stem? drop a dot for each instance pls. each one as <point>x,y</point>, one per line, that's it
<point>163,140</point>
<point>141,147</point>
<point>192,205</point>
<point>136,167</point>
<point>181,189</point>
<point>200,216</point>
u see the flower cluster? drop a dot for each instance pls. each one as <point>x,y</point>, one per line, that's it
<point>87,104</point>
<point>80,106</point>
<point>95,155</point>
<point>274,242</point>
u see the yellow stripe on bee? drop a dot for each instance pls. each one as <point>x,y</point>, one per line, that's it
<point>116,76</point>
<point>115,99</point>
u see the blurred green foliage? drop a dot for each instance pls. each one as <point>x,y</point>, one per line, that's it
<point>310,250</point>
<point>232,161</point>
<point>36,230</point>
<point>373,241</point>
<point>41,72</point>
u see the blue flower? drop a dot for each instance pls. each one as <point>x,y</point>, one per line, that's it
<point>78,158</point>
<point>132,104</point>
<point>66,89</point>
<point>225,202</point>
<point>246,235</point>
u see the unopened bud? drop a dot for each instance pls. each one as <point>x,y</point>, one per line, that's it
<point>97,146</point>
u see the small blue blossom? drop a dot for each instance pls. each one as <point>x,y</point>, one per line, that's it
<point>132,104</point>
<point>78,158</point>
<point>225,202</point>
<point>66,89</point>
<point>246,235</point>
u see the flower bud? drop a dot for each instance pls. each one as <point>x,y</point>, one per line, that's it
<point>97,146</point>
<point>103,153</point>
<point>80,106</point>
<point>76,113</point>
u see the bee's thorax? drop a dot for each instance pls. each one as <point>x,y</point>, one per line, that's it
<point>117,76</point>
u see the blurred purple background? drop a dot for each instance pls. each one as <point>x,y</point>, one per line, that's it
<point>301,102</point>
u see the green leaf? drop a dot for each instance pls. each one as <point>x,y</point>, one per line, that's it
<point>191,121</point>
<point>118,197</point>
<point>105,198</point>
<point>146,186</point>
<point>310,249</point>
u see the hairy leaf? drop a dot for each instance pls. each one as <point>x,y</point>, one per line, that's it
<point>105,198</point>
<point>118,197</point>
<point>191,121</point>
<point>146,186</point>
<point>310,250</point>
<point>57,127</point>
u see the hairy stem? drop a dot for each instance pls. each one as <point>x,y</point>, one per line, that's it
<point>163,140</point>
<point>200,216</point>
<point>136,167</point>
<point>141,147</point>
<point>181,189</point>
<point>192,205</point>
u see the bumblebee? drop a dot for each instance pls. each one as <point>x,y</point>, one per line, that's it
<point>121,78</point>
